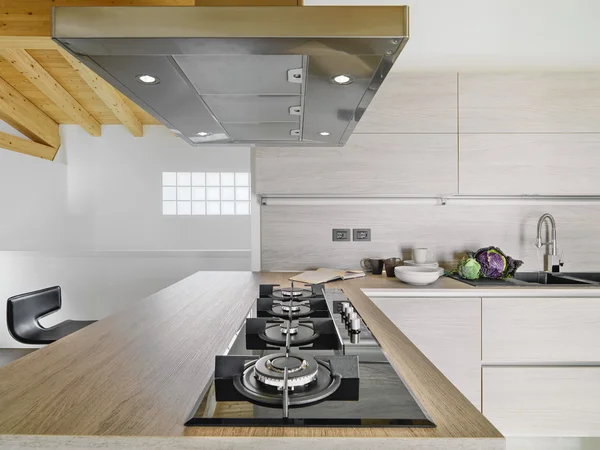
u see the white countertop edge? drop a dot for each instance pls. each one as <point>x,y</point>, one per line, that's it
<point>418,292</point>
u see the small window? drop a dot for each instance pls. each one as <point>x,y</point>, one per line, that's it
<point>210,193</point>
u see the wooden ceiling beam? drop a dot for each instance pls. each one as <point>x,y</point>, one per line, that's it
<point>27,147</point>
<point>27,118</point>
<point>108,94</point>
<point>40,78</point>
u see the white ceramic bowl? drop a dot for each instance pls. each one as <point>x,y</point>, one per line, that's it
<point>431,264</point>
<point>418,275</point>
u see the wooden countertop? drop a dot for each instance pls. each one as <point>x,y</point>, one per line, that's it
<point>449,287</point>
<point>140,371</point>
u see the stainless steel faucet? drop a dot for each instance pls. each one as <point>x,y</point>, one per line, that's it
<point>553,262</point>
<point>552,244</point>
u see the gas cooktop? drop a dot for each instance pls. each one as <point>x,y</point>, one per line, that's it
<point>304,357</point>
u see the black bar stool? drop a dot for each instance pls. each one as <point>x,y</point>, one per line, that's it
<point>23,312</point>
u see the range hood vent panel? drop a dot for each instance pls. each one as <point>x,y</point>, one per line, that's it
<point>261,108</point>
<point>243,75</point>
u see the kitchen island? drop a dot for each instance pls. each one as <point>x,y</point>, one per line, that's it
<point>141,371</point>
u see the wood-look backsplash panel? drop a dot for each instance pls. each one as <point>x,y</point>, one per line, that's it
<point>369,164</point>
<point>413,103</point>
<point>299,237</point>
<point>526,102</point>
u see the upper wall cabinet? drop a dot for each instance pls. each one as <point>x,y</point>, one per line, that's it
<point>413,103</point>
<point>541,164</point>
<point>529,102</point>
<point>373,164</point>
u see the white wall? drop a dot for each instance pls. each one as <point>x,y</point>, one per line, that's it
<point>91,221</point>
<point>108,196</point>
<point>496,34</point>
<point>97,284</point>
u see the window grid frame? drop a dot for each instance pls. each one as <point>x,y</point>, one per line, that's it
<point>235,180</point>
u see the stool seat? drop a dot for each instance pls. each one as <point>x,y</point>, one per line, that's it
<point>60,330</point>
<point>23,312</point>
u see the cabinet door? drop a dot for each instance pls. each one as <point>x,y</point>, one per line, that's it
<point>540,330</point>
<point>543,401</point>
<point>529,102</point>
<point>413,103</point>
<point>447,331</point>
<point>543,164</point>
<point>373,164</point>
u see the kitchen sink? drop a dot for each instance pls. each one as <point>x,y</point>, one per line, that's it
<point>540,278</point>
<point>553,278</point>
<point>588,276</point>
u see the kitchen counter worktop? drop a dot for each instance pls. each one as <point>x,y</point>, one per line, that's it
<point>141,371</point>
<point>449,287</point>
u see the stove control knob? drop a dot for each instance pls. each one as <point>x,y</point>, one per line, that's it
<point>355,325</point>
<point>345,306</point>
<point>349,311</point>
<point>351,317</point>
<point>346,320</point>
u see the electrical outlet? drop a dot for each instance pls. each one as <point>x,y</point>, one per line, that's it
<point>341,234</point>
<point>362,234</point>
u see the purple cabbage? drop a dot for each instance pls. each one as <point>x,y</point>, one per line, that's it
<point>495,264</point>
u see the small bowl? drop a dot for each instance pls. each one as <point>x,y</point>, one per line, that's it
<point>431,264</point>
<point>419,276</point>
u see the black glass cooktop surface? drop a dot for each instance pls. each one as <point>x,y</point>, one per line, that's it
<point>350,382</point>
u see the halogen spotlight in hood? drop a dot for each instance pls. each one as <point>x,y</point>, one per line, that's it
<point>342,79</point>
<point>147,79</point>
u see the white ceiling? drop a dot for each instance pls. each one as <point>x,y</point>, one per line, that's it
<point>500,34</point>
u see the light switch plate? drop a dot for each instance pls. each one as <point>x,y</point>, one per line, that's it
<point>341,234</point>
<point>362,234</point>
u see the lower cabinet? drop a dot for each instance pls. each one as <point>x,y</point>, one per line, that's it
<point>540,374</point>
<point>540,365</point>
<point>541,330</point>
<point>447,331</point>
<point>543,401</point>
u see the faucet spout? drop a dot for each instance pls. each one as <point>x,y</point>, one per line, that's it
<point>552,244</point>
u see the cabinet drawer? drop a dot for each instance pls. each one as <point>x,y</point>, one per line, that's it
<point>540,330</point>
<point>543,401</point>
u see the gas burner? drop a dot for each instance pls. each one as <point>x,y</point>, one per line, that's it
<point>291,309</point>
<point>301,370</point>
<point>318,333</point>
<point>295,293</point>
<point>308,381</point>
<point>290,306</point>
<point>300,333</point>
<point>292,292</point>
<point>289,327</point>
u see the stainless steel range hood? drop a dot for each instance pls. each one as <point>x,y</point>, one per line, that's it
<point>270,76</point>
